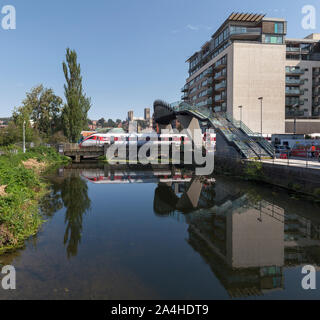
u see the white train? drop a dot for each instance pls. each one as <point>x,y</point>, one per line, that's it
<point>99,139</point>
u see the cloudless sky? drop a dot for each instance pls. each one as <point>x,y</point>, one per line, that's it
<point>131,51</point>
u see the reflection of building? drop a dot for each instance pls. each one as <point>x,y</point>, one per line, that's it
<point>247,242</point>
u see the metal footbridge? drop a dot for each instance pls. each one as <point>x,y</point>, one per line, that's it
<point>249,144</point>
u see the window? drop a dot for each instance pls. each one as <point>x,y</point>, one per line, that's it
<point>274,39</point>
<point>279,28</point>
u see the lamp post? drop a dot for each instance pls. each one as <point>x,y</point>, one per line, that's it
<point>24,137</point>
<point>261,100</point>
<point>295,118</point>
<point>240,107</point>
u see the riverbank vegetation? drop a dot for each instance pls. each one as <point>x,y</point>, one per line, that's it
<point>21,188</point>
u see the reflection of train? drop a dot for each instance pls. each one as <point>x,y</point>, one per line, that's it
<point>177,139</point>
<point>117,177</point>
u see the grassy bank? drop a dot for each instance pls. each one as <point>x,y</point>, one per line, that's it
<point>21,188</point>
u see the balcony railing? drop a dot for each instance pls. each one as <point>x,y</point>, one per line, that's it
<point>219,97</point>
<point>295,81</point>
<point>316,104</point>
<point>295,91</point>
<point>293,102</point>
<point>220,86</point>
<point>294,71</point>
<point>244,30</point>
<point>292,49</point>
<point>221,63</point>
<point>185,97</point>
<point>208,72</point>
<point>316,84</point>
<point>220,74</point>
<point>185,88</point>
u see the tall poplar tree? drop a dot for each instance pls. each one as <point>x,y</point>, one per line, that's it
<point>75,111</point>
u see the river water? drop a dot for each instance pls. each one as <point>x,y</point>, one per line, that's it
<point>120,233</point>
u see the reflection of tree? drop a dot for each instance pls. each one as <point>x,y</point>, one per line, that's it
<point>51,202</point>
<point>165,200</point>
<point>74,194</point>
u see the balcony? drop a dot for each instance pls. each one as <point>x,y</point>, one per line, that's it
<point>209,92</point>
<point>220,86</point>
<point>316,84</point>
<point>209,82</point>
<point>316,74</point>
<point>221,75</point>
<point>185,97</point>
<point>294,82</point>
<point>244,33</point>
<point>316,104</point>
<point>220,98</point>
<point>294,92</point>
<point>316,93</point>
<point>221,64</point>
<point>293,49</point>
<point>208,72</point>
<point>292,102</point>
<point>294,71</point>
<point>205,103</point>
<point>185,88</point>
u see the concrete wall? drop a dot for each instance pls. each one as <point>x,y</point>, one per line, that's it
<point>303,126</point>
<point>259,70</point>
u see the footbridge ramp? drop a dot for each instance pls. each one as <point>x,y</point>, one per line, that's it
<point>249,145</point>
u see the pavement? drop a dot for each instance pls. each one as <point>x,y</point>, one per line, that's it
<point>295,162</point>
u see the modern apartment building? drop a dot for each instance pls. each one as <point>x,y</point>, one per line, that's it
<point>249,58</point>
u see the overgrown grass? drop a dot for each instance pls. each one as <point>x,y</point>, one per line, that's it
<point>19,214</point>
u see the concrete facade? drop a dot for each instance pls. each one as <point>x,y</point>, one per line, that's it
<point>258,71</point>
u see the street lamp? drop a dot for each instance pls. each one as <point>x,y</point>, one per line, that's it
<point>240,107</point>
<point>24,137</point>
<point>294,107</point>
<point>261,100</point>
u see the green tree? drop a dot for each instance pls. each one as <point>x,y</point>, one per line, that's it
<point>101,123</point>
<point>75,111</point>
<point>45,108</point>
<point>111,123</point>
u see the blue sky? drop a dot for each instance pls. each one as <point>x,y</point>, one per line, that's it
<point>131,51</point>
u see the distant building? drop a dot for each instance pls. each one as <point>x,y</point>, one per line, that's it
<point>147,114</point>
<point>130,116</point>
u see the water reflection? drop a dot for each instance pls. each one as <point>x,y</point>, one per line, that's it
<point>247,234</point>
<point>247,241</point>
<point>70,191</point>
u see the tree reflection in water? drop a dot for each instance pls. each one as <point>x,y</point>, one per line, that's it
<point>74,194</point>
<point>70,192</point>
